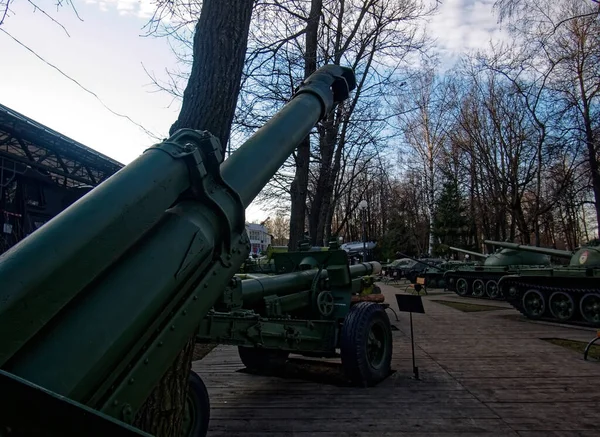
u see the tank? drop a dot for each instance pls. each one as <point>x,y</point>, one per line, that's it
<point>565,294</point>
<point>433,276</point>
<point>481,281</point>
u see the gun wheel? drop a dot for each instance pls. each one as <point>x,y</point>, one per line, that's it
<point>197,409</point>
<point>366,344</point>
<point>258,359</point>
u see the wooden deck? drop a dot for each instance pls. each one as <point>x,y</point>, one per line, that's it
<point>482,373</point>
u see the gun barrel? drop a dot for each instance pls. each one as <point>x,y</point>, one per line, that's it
<point>417,260</point>
<point>93,293</point>
<point>273,143</point>
<point>535,249</point>
<point>480,255</point>
<point>254,290</point>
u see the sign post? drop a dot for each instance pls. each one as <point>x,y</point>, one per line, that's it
<point>410,304</point>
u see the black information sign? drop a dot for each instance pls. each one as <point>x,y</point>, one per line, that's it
<point>410,303</point>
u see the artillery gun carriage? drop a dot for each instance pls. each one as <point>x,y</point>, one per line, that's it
<point>97,304</point>
<point>320,306</point>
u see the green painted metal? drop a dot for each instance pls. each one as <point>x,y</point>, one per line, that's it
<point>299,311</point>
<point>585,256</point>
<point>251,329</point>
<point>254,290</point>
<point>510,256</point>
<point>46,413</point>
<point>469,252</point>
<point>566,294</point>
<point>96,304</point>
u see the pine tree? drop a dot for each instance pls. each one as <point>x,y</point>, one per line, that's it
<point>450,224</point>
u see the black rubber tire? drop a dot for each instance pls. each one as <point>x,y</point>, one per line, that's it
<point>355,334</point>
<point>198,395</point>
<point>262,360</point>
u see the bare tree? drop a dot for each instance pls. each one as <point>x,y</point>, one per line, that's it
<point>220,42</point>
<point>424,123</point>
<point>564,38</point>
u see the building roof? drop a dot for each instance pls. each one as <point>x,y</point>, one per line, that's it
<point>256,226</point>
<point>31,144</point>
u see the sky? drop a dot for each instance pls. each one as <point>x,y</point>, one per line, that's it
<point>106,52</point>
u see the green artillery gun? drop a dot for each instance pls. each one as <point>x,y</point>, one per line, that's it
<point>322,306</point>
<point>566,294</point>
<point>96,304</point>
<point>267,264</point>
<point>481,281</point>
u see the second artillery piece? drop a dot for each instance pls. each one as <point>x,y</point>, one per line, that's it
<point>481,281</point>
<point>320,306</point>
<point>566,294</point>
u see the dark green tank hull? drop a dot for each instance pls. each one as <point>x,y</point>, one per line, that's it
<point>564,295</point>
<point>480,282</point>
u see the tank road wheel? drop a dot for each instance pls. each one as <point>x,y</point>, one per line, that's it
<point>491,289</point>
<point>534,304</point>
<point>197,409</point>
<point>366,344</point>
<point>265,360</point>
<point>513,292</point>
<point>590,308</point>
<point>478,288</point>
<point>462,287</point>
<point>562,306</point>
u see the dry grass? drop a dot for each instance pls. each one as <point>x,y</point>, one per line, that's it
<point>577,346</point>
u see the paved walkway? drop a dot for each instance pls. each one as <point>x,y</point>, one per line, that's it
<point>482,373</point>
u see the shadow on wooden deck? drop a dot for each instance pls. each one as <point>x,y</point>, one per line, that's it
<point>320,372</point>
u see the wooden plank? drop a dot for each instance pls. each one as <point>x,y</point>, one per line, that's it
<point>358,423</point>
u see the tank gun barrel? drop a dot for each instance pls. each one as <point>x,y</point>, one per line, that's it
<point>543,250</point>
<point>480,255</point>
<point>109,291</point>
<point>417,260</point>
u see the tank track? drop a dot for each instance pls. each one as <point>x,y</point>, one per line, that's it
<point>471,277</point>
<point>540,284</point>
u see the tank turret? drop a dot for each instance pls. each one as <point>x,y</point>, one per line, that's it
<point>585,256</point>
<point>509,256</point>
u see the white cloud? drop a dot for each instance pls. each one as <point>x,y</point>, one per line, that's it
<point>462,26</point>
<point>139,8</point>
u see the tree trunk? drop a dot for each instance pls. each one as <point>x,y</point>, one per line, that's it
<point>220,43</point>
<point>162,414</point>
<point>299,186</point>
<point>209,102</point>
<point>593,161</point>
<point>330,165</point>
